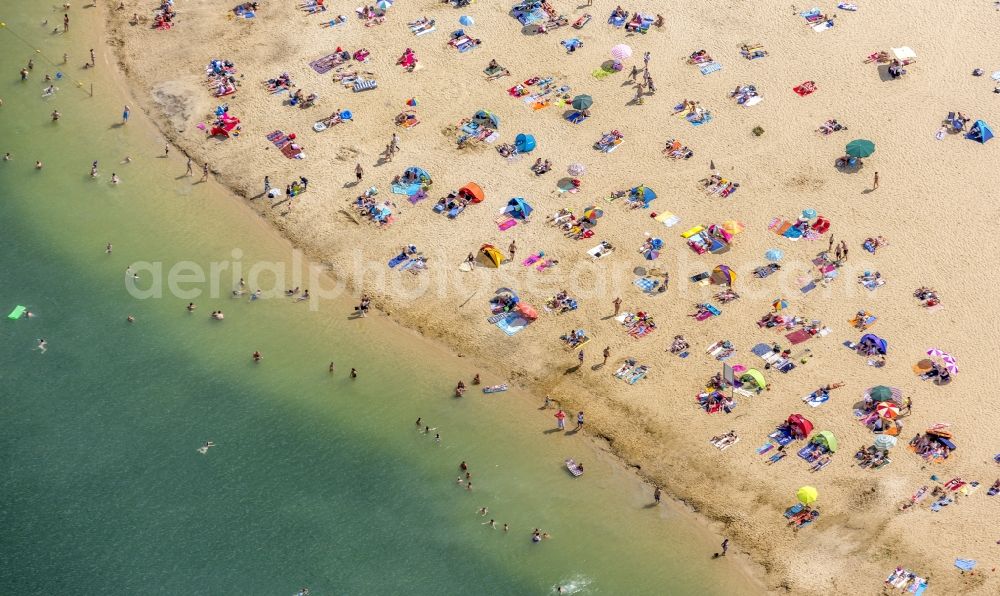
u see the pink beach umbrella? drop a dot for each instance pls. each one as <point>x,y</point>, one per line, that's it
<point>950,364</point>
<point>621,52</point>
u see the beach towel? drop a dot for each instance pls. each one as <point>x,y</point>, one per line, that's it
<point>668,219</point>
<point>326,63</point>
<point>756,99</point>
<point>816,400</point>
<point>705,119</point>
<point>646,284</point>
<point>511,323</point>
<point>396,260</point>
<point>364,85</point>
<point>291,152</point>
<point>710,68</point>
<point>965,564</point>
<point>820,27</point>
<point>601,73</point>
<point>506,224</point>
<point>797,337</point>
<point>406,189</point>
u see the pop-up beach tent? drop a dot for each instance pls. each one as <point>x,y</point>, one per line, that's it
<point>524,143</point>
<point>980,131</point>
<point>491,254</point>
<point>518,208</point>
<point>472,192</point>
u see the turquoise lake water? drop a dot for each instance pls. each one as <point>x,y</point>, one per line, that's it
<point>315,479</point>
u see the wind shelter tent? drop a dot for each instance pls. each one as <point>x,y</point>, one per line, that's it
<point>484,118</point>
<point>981,131</point>
<point>491,254</point>
<point>723,275</point>
<point>904,54</point>
<point>518,208</point>
<point>418,174</point>
<point>472,192</point>
<point>799,425</point>
<point>826,439</point>
<point>527,311</point>
<point>643,193</point>
<point>524,143</point>
<point>754,376</point>
<point>877,342</point>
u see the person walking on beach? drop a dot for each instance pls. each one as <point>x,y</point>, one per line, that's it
<point>561,419</point>
<point>512,249</point>
<point>830,247</point>
<point>65,23</point>
<point>607,353</point>
<point>125,114</point>
<point>189,172</point>
<point>634,73</point>
<point>359,172</point>
<point>657,495</point>
<point>547,403</point>
<point>394,143</point>
<point>93,59</point>
<point>618,304</point>
<point>267,185</point>
<point>580,357</point>
<point>645,61</point>
<point>875,182</point>
<point>166,150</point>
<point>725,547</point>
<point>579,420</point>
<point>204,172</point>
<point>843,246</point>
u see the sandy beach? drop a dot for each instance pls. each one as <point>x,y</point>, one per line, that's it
<point>931,205</point>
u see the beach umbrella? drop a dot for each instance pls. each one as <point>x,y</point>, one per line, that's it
<point>950,364</point>
<point>582,102</point>
<point>466,20</point>
<point>723,275</point>
<point>779,304</point>
<point>807,495</point>
<point>774,254</point>
<point>860,148</point>
<point>808,213</point>
<point>936,353</point>
<point>593,212</point>
<point>621,52</point>
<point>576,169</point>
<point>883,393</point>
<point>639,271</point>
<point>412,102</point>
<point>383,5</point>
<point>884,442</point>
<point>887,409</point>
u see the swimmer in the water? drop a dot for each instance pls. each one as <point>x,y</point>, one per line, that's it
<point>256,294</point>
<point>354,373</point>
<point>38,165</point>
<point>463,466</point>
<point>419,420</point>
<point>127,159</point>
<point>506,527</point>
<point>218,316</point>
<point>55,115</point>
<point>130,319</point>
<point>204,448</point>
<point>42,345</point>
<point>292,292</point>
<point>6,156</point>
<point>257,357</point>
<point>437,438</point>
<point>114,178</point>
<point>93,170</point>
<point>332,367</point>
<point>492,523</point>
<point>237,293</point>
<point>108,248</point>
<point>304,296</point>
<point>191,306</point>
<point>484,510</point>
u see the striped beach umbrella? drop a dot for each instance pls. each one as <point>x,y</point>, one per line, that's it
<point>936,353</point>
<point>621,52</point>
<point>949,364</point>
<point>779,304</point>
<point>383,5</point>
<point>887,409</point>
<point>884,442</point>
<point>884,393</point>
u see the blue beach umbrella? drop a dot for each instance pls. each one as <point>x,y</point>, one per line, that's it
<point>809,213</point>
<point>774,255</point>
<point>466,20</point>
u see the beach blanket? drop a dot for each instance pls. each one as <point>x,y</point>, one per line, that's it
<point>797,337</point>
<point>406,189</point>
<point>326,63</point>
<point>820,27</point>
<point>668,219</point>
<point>705,119</point>
<point>511,323</point>
<point>646,284</point>
<point>710,68</point>
<point>816,398</point>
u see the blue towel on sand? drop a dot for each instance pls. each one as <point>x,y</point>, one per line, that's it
<point>646,284</point>
<point>710,68</point>
<point>512,323</point>
<point>406,189</point>
<point>705,120</point>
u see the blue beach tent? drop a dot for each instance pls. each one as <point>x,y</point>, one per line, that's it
<point>524,143</point>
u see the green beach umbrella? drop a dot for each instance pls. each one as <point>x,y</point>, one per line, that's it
<point>860,148</point>
<point>582,102</point>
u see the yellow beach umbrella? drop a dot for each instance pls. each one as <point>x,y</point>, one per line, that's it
<point>807,495</point>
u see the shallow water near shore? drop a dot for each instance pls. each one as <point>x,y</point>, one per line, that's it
<point>316,479</point>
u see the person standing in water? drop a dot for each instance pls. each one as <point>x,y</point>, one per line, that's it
<point>354,373</point>
<point>125,115</point>
<point>657,495</point>
<point>108,248</point>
